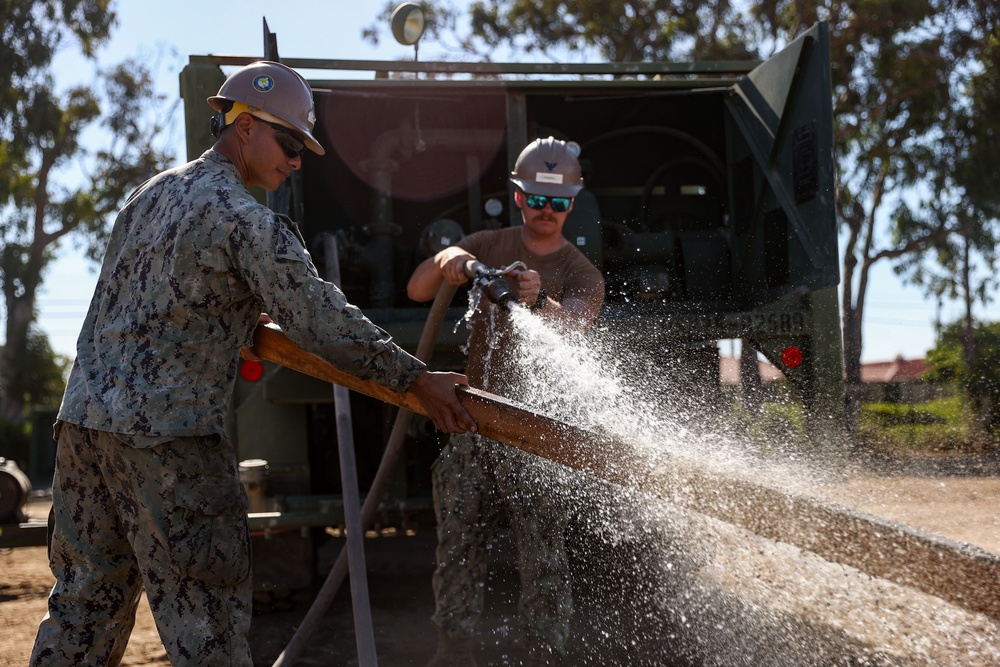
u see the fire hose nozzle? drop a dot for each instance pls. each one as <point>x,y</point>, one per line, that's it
<point>499,292</point>
<point>492,281</point>
<point>474,269</point>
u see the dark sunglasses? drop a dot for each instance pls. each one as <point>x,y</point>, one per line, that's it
<point>289,143</point>
<point>538,202</point>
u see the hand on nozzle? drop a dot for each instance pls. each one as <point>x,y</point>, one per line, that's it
<point>526,285</point>
<point>454,268</point>
<point>474,268</point>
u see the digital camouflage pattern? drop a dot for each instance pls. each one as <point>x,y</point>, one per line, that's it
<point>146,491</point>
<point>192,261</point>
<point>473,479</point>
<point>170,518</point>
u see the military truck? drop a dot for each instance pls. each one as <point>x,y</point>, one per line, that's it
<point>708,206</point>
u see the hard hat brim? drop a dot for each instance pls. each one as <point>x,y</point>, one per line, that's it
<point>216,102</point>
<point>547,189</point>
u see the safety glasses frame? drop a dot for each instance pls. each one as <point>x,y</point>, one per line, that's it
<point>538,202</point>
<point>292,146</point>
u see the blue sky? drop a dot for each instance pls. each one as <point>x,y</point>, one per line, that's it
<point>899,319</point>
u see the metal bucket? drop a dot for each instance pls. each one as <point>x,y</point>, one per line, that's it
<point>253,476</point>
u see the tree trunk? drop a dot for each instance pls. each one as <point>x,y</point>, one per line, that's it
<point>19,318</point>
<point>978,405</point>
<point>854,309</point>
<point>968,337</point>
<point>21,280</point>
<point>750,382</point>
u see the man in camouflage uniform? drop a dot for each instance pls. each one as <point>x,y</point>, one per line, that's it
<point>474,476</point>
<point>146,491</point>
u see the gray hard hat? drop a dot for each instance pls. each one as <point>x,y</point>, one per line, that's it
<point>549,167</point>
<point>273,92</point>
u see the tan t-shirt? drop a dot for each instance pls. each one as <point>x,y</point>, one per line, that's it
<point>566,274</point>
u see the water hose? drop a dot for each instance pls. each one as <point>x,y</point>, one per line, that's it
<point>425,349</point>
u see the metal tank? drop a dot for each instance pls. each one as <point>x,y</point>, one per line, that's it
<point>708,206</point>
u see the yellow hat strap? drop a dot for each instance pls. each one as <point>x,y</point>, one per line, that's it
<point>260,114</point>
<point>238,108</point>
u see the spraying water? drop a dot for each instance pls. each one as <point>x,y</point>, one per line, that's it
<point>661,586</point>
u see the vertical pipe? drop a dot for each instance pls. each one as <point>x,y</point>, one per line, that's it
<point>363,630</point>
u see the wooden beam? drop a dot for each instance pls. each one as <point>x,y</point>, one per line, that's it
<point>959,573</point>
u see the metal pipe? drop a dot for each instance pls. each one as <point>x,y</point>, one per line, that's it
<point>425,349</point>
<point>364,634</point>
<point>403,141</point>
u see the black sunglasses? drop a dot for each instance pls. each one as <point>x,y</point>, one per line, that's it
<point>538,202</point>
<point>290,144</point>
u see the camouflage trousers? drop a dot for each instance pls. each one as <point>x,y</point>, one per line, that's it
<point>473,479</point>
<point>167,515</point>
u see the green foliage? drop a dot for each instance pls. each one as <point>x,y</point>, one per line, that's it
<point>45,372</point>
<point>40,134</point>
<point>980,381</point>
<point>620,32</point>
<point>774,425</point>
<point>613,31</point>
<point>938,426</point>
<point>904,414</point>
<point>969,421</point>
<point>15,441</point>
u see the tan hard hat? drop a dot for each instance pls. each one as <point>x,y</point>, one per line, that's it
<point>274,92</point>
<point>549,167</point>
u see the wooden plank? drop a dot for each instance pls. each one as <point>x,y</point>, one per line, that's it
<point>959,573</point>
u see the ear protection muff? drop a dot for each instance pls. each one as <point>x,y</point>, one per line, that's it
<point>218,122</point>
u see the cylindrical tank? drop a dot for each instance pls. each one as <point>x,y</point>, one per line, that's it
<point>253,476</point>
<point>15,491</point>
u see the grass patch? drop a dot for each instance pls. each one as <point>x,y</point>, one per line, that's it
<point>940,425</point>
<point>773,423</point>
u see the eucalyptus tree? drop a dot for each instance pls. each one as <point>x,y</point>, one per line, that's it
<point>52,184</point>
<point>965,195</point>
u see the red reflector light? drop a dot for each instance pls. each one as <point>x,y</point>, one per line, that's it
<point>251,371</point>
<point>791,357</point>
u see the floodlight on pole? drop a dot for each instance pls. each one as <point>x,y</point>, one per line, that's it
<point>408,24</point>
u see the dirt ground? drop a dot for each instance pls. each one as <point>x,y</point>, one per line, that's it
<point>960,506</point>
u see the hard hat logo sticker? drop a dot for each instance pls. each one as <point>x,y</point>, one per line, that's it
<point>263,83</point>
<point>551,165</point>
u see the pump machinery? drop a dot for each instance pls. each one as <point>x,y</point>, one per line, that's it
<point>708,205</point>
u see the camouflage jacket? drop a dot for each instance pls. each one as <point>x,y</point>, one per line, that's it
<point>192,261</point>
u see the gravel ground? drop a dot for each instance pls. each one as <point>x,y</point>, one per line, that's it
<point>723,596</point>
